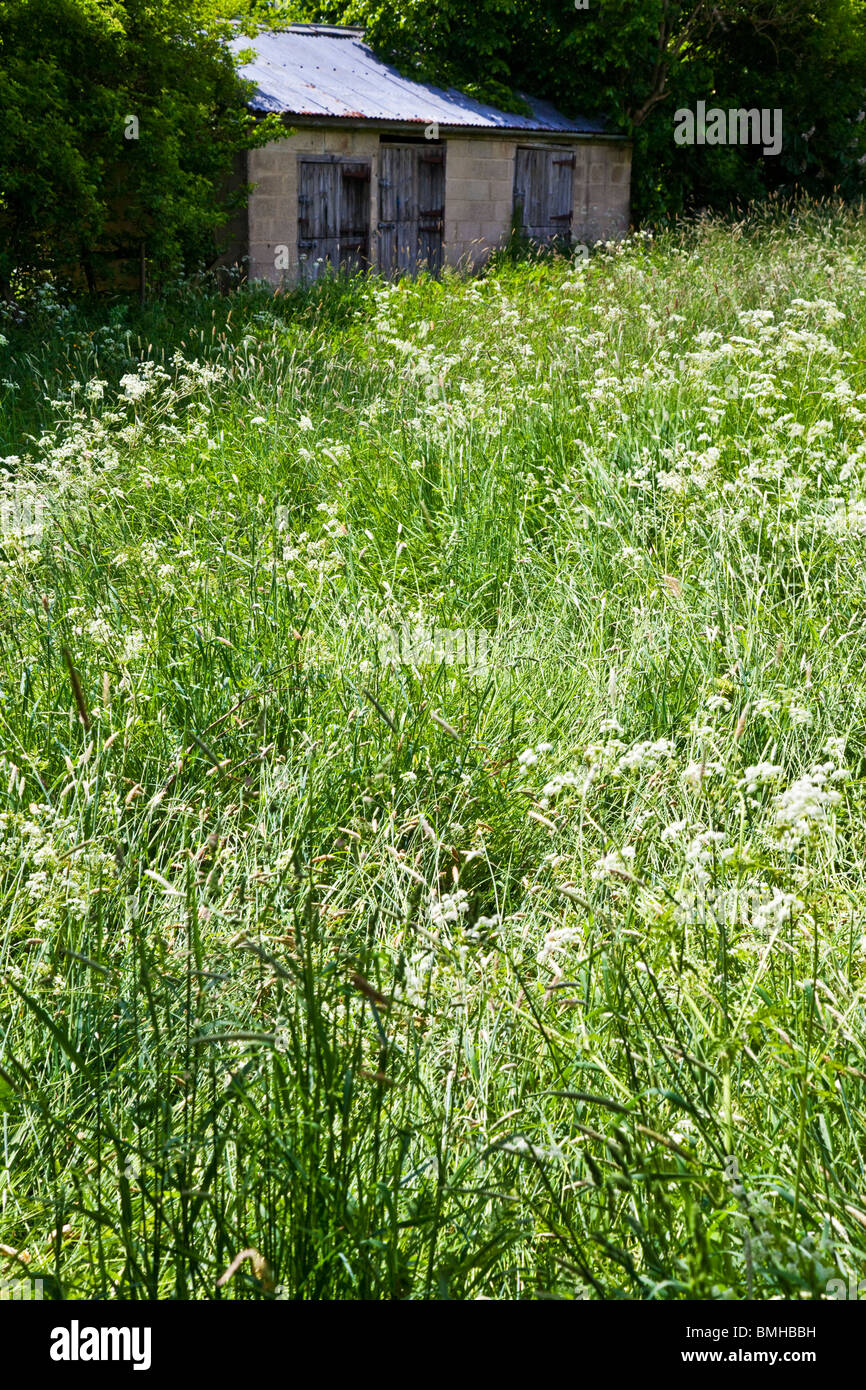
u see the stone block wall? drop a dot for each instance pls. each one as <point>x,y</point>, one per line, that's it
<point>479,193</point>
<point>479,196</point>
<point>602,191</point>
<point>273,207</point>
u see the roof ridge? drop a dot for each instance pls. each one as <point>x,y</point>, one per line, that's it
<point>333,31</point>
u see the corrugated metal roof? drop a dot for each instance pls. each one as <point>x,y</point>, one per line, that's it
<point>320,71</point>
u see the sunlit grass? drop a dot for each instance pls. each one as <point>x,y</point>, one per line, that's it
<point>544,978</point>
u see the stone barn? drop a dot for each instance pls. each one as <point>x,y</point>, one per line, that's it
<point>378,170</point>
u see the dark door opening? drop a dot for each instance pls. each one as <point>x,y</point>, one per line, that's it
<point>411,208</point>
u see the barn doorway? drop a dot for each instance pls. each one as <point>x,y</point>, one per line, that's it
<point>411,208</point>
<point>544,194</point>
<point>333,215</point>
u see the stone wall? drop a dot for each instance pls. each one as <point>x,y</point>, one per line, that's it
<point>479,196</point>
<point>602,191</point>
<point>479,193</point>
<point>273,206</point>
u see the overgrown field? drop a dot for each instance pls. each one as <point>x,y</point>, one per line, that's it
<point>441,869</point>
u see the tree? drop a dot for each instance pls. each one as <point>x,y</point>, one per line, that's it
<point>637,63</point>
<point>119,124</point>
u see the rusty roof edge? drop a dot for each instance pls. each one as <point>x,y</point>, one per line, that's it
<point>290,118</point>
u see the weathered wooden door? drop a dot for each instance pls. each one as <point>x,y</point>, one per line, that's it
<point>318,213</point>
<point>354,214</point>
<point>544,193</point>
<point>333,215</point>
<point>431,208</point>
<point>411,208</point>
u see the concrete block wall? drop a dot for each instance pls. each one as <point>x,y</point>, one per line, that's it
<point>479,193</point>
<point>479,196</point>
<point>273,205</point>
<point>602,191</point>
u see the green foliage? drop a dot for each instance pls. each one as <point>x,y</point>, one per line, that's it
<point>119,121</point>
<point>637,64</point>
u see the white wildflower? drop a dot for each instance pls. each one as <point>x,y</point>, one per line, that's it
<point>450,908</point>
<point>806,804</point>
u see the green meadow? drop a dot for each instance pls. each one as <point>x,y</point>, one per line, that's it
<point>432,752</point>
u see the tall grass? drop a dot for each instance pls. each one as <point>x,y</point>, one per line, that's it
<point>415,979</point>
